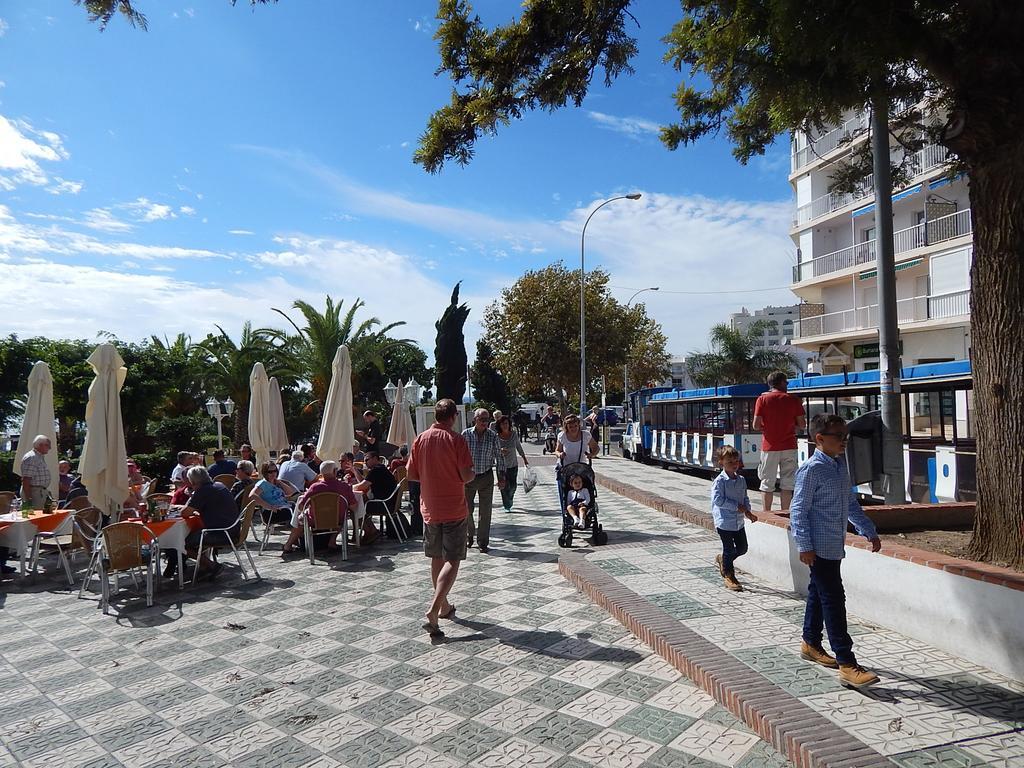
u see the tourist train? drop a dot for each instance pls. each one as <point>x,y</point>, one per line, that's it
<point>684,428</point>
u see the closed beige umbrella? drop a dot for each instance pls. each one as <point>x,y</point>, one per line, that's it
<point>38,420</point>
<point>401,432</point>
<point>278,430</point>
<point>337,430</point>
<point>104,461</point>
<point>261,436</point>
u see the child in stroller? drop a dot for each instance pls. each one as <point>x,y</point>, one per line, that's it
<point>578,493</point>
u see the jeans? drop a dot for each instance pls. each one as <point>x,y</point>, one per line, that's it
<point>826,607</point>
<point>509,491</point>
<point>734,544</point>
<point>482,484</point>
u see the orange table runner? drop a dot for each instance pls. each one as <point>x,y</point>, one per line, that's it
<point>162,526</point>
<point>45,523</point>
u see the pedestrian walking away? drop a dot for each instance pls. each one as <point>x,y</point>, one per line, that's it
<point>486,453</point>
<point>823,503</point>
<point>510,445</point>
<point>729,505</point>
<point>440,460</point>
<point>778,415</point>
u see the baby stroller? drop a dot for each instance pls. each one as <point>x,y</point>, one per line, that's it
<point>597,534</point>
<point>550,440</point>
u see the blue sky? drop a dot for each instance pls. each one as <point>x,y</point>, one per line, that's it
<point>231,160</point>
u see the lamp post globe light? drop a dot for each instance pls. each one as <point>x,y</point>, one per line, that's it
<point>391,392</point>
<point>213,407</point>
<point>413,393</point>
<point>625,365</point>
<point>583,285</point>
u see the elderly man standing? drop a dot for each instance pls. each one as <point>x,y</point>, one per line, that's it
<point>487,456</point>
<point>35,475</point>
<point>441,462</point>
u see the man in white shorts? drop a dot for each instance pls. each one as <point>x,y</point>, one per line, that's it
<point>779,416</point>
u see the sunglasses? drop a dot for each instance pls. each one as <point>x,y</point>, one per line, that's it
<point>841,436</point>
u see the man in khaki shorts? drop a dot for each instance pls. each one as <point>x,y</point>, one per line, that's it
<point>440,460</point>
<point>779,416</point>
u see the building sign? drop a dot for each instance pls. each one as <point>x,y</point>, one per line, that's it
<point>862,351</point>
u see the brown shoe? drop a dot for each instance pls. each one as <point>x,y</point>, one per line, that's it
<point>732,583</point>
<point>817,655</point>
<point>855,676</point>
<point>718,562</point>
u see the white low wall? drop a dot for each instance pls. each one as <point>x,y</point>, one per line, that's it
<point>972,619</point>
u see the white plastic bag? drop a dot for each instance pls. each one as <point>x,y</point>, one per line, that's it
<point>529,479</point>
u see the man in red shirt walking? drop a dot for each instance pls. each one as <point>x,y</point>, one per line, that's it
<point>440,460</point>
<point>778,415</point>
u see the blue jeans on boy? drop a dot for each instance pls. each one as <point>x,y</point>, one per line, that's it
<point>734,544</point>
<point>826,608</point>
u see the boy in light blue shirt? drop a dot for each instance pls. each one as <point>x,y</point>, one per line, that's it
<point>823,503</point>
<point>729,505</point>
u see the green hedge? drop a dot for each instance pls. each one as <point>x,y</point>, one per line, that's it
<point>8,480</point>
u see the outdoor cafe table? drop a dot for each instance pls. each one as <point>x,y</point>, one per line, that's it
<point>170,534</point>
<point>17,533</point>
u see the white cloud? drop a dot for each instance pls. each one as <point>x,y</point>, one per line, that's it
<point>103,220</point>
<point>146,210</point>
<point>190,12</point>
<point>65,187</point>
<point>4,26</point>
<point>186,210</point>
<point>3,84</point>
<point>240,232</point>
<point>634,127</point>
<point>22,149</point>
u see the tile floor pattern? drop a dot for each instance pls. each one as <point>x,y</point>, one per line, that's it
<point>326,665</point>
<point>931,708</point>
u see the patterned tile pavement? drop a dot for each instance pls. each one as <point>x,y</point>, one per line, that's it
<point>326,665</point>
<point>930,709</point>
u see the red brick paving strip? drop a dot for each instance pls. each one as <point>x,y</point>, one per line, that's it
<point>782,720</point>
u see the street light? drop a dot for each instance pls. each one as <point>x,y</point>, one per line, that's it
<point>213,407</point>
<point>391,392</point>
<point>413,392</point>
<point>625,365</point>
<point>583,285</point>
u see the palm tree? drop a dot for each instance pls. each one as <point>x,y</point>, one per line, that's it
<point>311,350</point>
<point>184,385</point>
<point>734,357</point>
<point>229,365</point>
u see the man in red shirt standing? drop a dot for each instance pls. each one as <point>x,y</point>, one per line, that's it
<point>440,460</point>
<point>778,415</point>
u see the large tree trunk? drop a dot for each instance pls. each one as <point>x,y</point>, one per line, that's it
<point>997,352</point>
<point>241,432</point>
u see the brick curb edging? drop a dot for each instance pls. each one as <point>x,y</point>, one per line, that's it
<point>805,737</point>
<point>992,574</point>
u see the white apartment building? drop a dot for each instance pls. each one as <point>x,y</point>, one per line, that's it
<point>835,277</point>
<point>679,375</point>
<point>780,323</point>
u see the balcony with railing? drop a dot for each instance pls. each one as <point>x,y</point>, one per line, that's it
<point>828,141</point>
<point>912,310</point>
<point>921,235</point>
<point>923,161</point>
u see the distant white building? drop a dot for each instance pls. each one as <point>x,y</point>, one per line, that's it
<point>679,375</point>
<point>779,323</point>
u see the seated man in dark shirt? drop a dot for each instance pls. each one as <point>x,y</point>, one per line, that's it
<point>214,505</point>
<point>221,466</point>
<point>380,484</point>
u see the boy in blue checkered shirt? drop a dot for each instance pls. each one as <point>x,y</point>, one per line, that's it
<point>823,502</point>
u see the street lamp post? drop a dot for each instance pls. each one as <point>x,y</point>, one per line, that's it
<point>213,407</point>
<point>583,311</point>
<point>625,365</point>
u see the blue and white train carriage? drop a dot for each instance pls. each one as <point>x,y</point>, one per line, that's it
<point>685,427</point>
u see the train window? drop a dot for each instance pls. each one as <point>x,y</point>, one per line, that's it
<point>926,415</point>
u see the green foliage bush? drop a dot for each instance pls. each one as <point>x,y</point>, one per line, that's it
<point>157,465</point>
<point>8,480</point>
<point>183,433</point>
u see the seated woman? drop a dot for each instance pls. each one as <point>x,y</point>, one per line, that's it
<point>243,482</point>
<point>328,483</point>
<point>271,491</point>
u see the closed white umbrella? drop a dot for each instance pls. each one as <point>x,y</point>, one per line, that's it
<point>278,430</point>
<point>261,435</point>
<point>337,431</point>
<point>103,465</point>
<point>401,432</point>
<point>39,421</point>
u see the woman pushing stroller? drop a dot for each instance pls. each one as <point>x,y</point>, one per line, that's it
<point>577,491</point>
